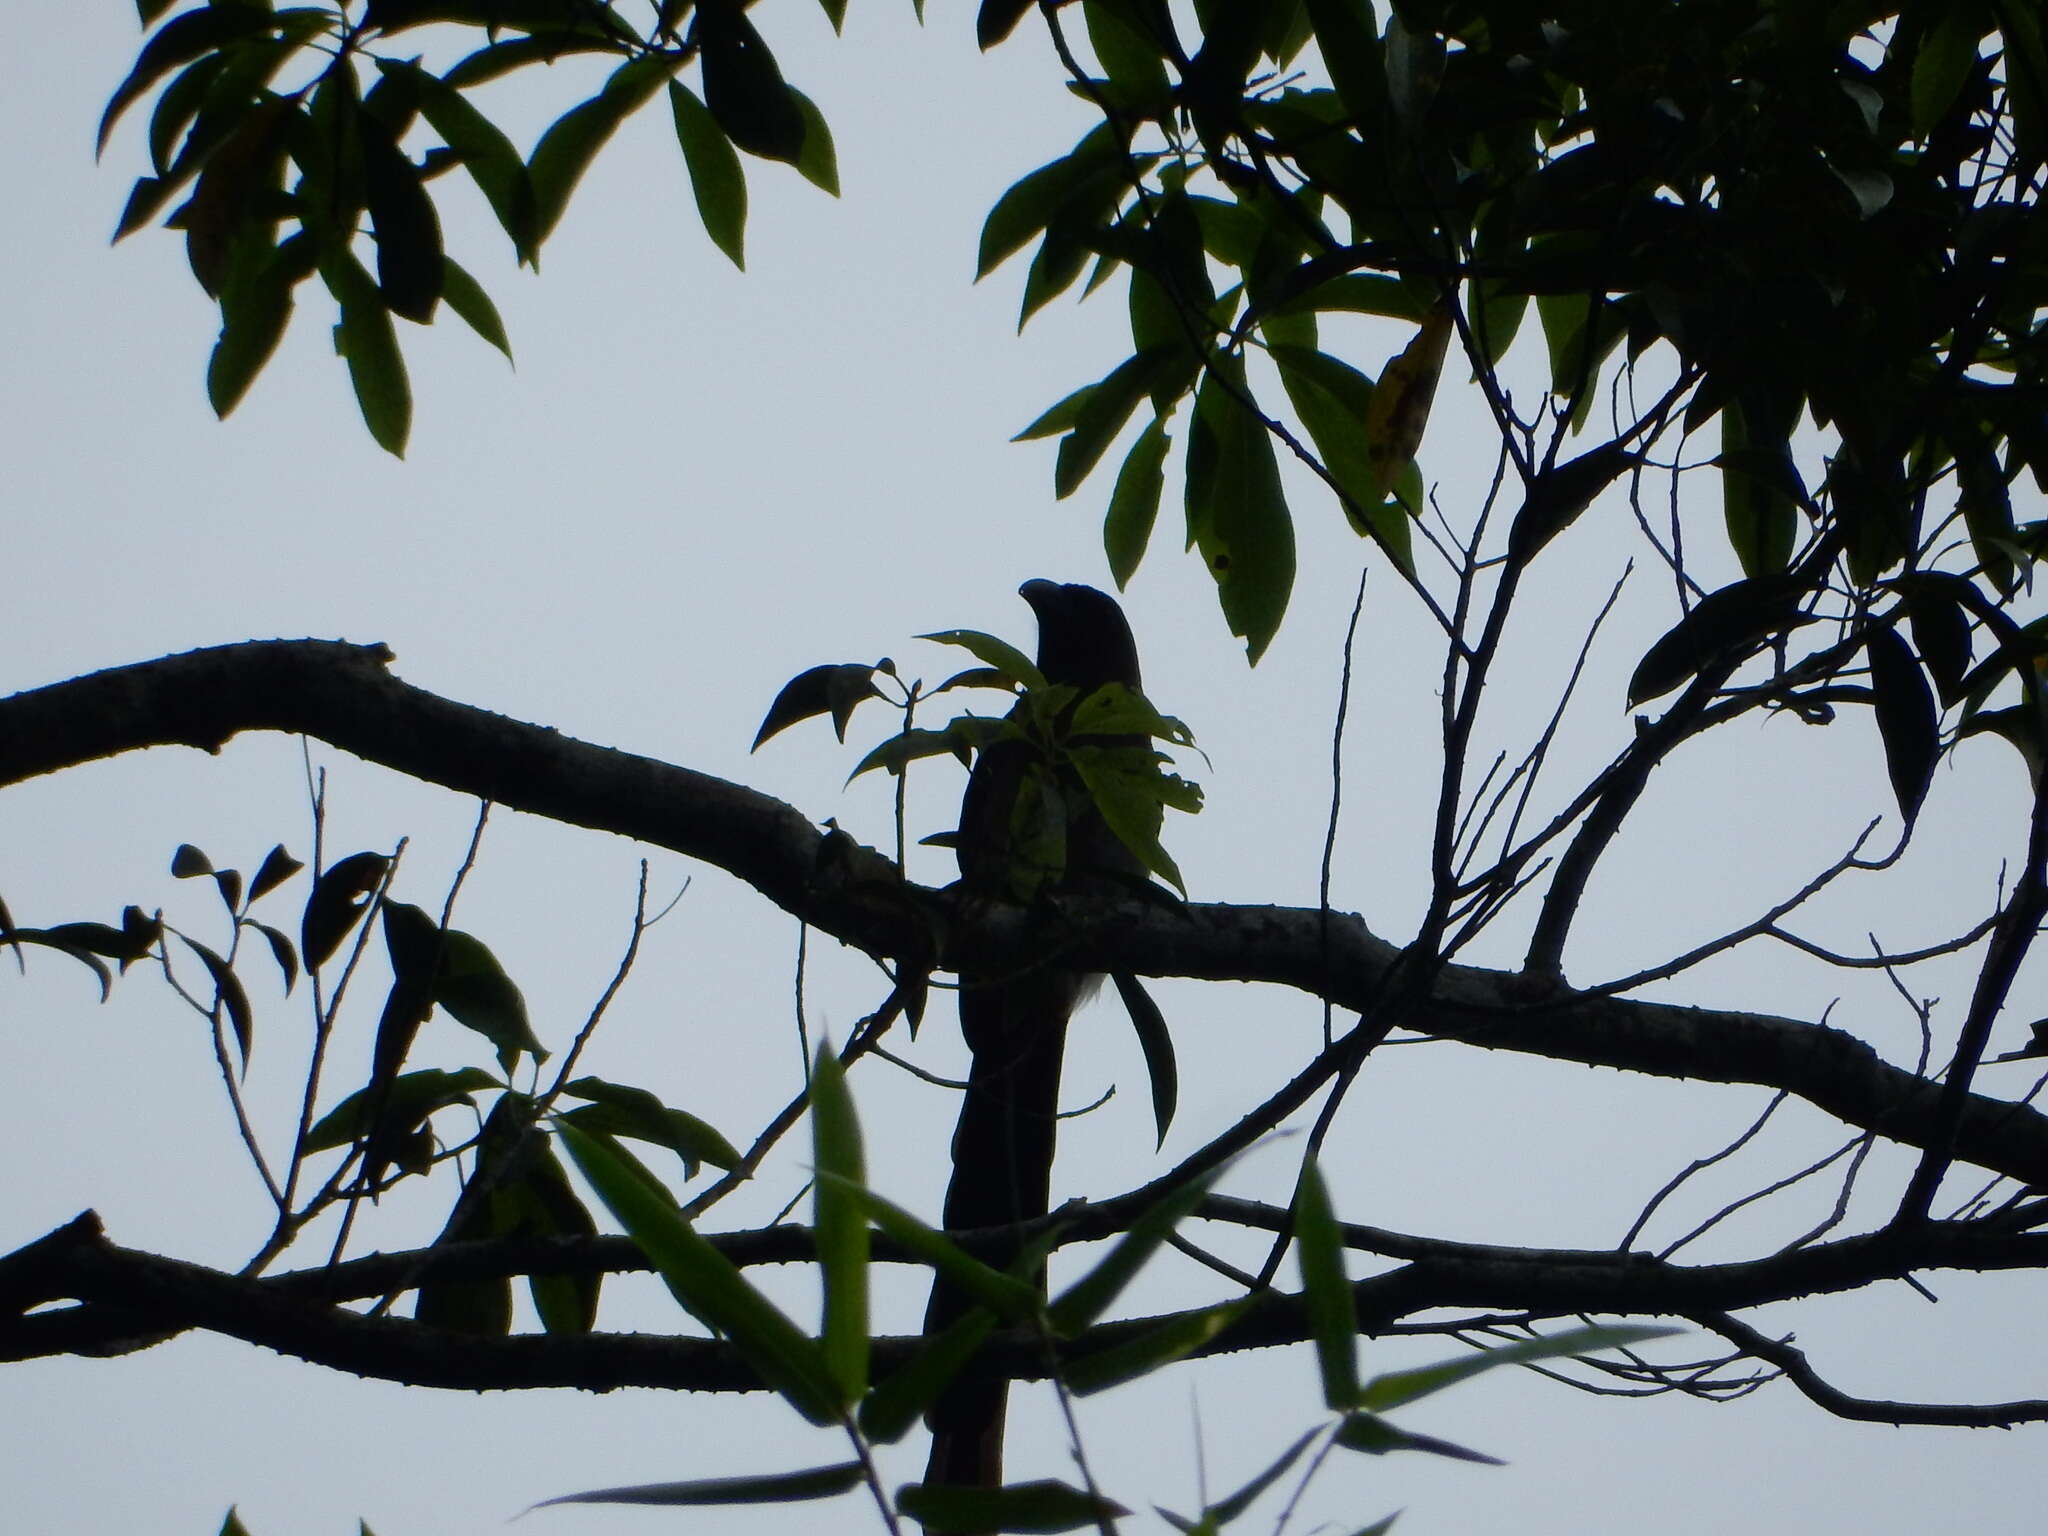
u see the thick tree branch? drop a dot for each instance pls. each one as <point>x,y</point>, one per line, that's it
<point>150,1295</point>
<point>346,696</point>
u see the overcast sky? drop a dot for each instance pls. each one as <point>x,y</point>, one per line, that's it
<point>695,484</point>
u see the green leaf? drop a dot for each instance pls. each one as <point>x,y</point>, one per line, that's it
<point>572,141</point>
<point>229,996</point>
<point>907,747</point>
<point>1040,1506</point>
<point>1375,1436</point>
<point>1722,625</point>
<point>1034,201</point>
<point>1130,58</point>
<point>767,1488</point>
<point>1349,43</point>
<point>255,309</point>
<point>744,87</point>
<point>1332,398</point>
<point>411,1098</point>
<point>493,164</point>
<point>1130,791</point>
<point>1102,417</point>
<point>493,61</point>
<point>1319,1249</point>
<point>1156,1042</point>
<point>707,1284</point>
<point>1000,654</point>
<point>178,105</point>
<point>473,306</point>
<point>1134,503</point>
<point>369,345</point>
<point>1395,1389</point>
<point>717,180</point>
<point>1086,1299</point>
<point>1947,55</point>
<point>402,217</point>
<point>1228,1510</point>
<point>278,866</point>
<point>895,1405</point>
<point>818,161</point>
<point>472,985</point>
<point>834,688</point>
<point>1237,514</point>
<point>1153,1350</point>
<point>841,1225</point>
<point>232,1525</point>
<point>1058,417</point>
<point>179,41</point>
<point>338,901</point>
<point>1008,1298</point>
<point>1907,721</point>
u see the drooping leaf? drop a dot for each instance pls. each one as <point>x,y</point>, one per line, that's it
<point>572,141</point>
<point>1399,410</point>
<point>473,306</point>
<point>230,997</point>
<point>472,985</point>
<point>818,161</point>
<point>1237,514</point>
<point>834,688</point>
<point>1907,720</point>
<point>493,164</point>
<point>1134,503</point>
<point>369,346</point>
<point>1102,417</point>
<point>717,180</point>
<point>743,85</point>
<point>1156,1041</point>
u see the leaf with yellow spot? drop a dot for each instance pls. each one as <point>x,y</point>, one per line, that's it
<point>1399,412</point>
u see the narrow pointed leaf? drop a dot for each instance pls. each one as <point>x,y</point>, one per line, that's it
<point>709,1285</point>
<point>717,180</point>
<point>1332,1313</point>
<point>1046,1506</point>
<point>1086,1299</point>
<point>768,1488</point>
<point>572,141</point>
<point>841,1225</point>
<point>1907,720</point>
<point>889,1412</point>
<point>1397,1388</point>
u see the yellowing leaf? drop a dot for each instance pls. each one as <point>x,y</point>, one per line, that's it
<point>1399,411</point>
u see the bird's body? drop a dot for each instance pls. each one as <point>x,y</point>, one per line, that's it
<point>1015,1026</point>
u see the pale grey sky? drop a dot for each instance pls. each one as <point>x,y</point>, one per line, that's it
<point>695,484</point>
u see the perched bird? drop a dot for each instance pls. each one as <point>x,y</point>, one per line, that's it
<point>1015,1025</point>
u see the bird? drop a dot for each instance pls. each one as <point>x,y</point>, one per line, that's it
<point>1015,1025</point>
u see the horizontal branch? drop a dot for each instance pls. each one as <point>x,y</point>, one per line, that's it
<point>133,1296</point>
<point>346,696</point>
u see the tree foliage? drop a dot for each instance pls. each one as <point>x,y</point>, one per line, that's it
<point>1792,249</point>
